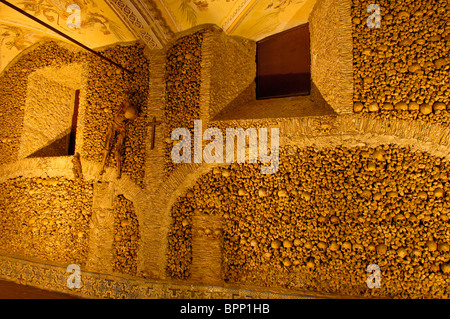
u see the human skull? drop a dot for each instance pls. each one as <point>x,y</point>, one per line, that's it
<point>130,112</point>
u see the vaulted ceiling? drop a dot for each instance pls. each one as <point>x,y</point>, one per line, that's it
<point>106,22</point>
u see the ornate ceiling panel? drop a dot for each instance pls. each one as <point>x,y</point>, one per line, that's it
<point>106,22</point>
<point>253,19</point>
<point>100,26</point>
<point>143,17</point>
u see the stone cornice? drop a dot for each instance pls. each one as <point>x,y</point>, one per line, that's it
<point>144,20</point>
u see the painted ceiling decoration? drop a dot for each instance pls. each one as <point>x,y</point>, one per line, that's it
<point>253,19</point>
<point>144,19</point>
<point>107,22</point>
<point>99,27</point>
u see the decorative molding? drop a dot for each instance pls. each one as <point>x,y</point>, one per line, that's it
<point>100,286</point>
<point>171,15</point>
<point>156,20</point>
<point>138,16</point>
<point>242,9</point>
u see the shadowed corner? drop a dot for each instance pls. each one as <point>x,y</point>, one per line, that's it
<point>59,147</point>
<point>282,85</point>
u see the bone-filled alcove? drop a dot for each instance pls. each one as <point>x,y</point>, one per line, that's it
<point>226,149</point>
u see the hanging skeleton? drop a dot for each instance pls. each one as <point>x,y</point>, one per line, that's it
<point>123,117</point>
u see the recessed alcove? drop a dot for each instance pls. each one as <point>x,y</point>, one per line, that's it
<point>51,112</point>
<point>282,87</point>
<point>284,64</point>
<point>329,91</point>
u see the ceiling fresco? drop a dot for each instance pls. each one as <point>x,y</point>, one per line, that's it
<point>106,22</point>
<point>100,25</point>
<point>253,19</point>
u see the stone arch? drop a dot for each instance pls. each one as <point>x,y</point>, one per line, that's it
<point>61,44</point>
<point>158,218</point>
<point>322,132</point>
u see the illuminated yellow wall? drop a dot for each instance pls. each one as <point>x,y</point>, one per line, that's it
<point>100,26</point>
<point>253,19</point>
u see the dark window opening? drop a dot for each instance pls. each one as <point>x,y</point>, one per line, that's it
<point>284,64</point>
<point>73,131</point>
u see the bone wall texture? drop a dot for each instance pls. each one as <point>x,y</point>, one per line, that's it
<point>402,69</point>
<point>366,186</point>
<point>47,119</point>
<point>323,218</point>
<point>14,83</point>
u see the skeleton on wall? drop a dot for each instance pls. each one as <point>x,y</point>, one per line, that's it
<point>125,114</point>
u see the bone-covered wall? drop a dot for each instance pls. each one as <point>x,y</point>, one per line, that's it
<point>102,89</point>
<point>402,69</point>
<point>14,84</point>
<point>51,223</point>
<point>46,219</point>
<point>329,213</point>
<point>182,77</point>
<point>126,236</point>
<point>314,226</point>
<point>107,87</point>
<point>323,218</point>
